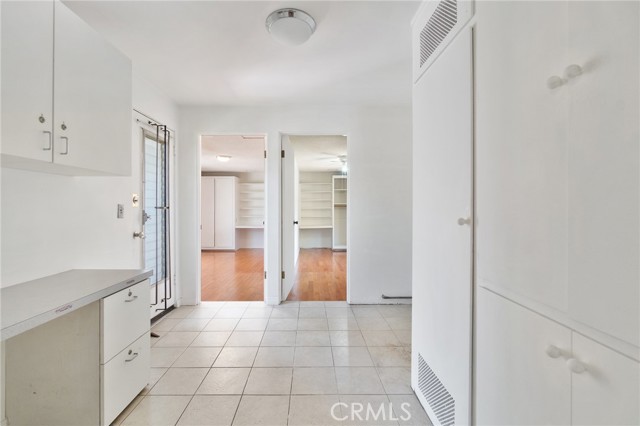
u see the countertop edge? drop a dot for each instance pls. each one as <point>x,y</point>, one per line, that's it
<point>28,324</point>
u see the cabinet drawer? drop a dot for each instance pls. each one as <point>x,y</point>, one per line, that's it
<point>125,317</point>
<point>123,377</point>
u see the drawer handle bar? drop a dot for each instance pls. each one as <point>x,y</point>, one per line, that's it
<point>132,299</point>
<point>135,355</point>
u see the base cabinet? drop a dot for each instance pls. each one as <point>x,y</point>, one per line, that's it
<point>532,370</point>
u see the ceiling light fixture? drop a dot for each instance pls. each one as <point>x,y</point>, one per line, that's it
<point>290,26</point>
<point>223,158</point>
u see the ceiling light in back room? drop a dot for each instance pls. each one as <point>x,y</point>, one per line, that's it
<point>223,158</point>
<point>291,27</point>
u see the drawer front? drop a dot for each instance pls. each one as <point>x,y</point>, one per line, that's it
<point>123,377</point>
<point>125,317</point>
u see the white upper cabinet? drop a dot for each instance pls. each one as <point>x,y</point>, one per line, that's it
<point>58,67</point>
<point>558,158</point>
<point>27,79</point>
<point>522,149</point>
<point>603,169</point>
<point>92,98</point>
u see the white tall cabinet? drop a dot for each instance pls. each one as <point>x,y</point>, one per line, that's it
<point>66,94</point>
<point>558,220</point>
<point>218,212</point>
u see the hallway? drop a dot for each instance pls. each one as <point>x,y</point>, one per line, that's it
<point>233,275</point>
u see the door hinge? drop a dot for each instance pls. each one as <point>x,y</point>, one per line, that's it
<point>265,275</point>
<point>282,153</point>
<point>283,275</point>
<point>265,153</point>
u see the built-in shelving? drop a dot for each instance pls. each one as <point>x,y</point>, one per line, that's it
<point>339,207</point>
<point>250,212</point>
<point>316,205</point>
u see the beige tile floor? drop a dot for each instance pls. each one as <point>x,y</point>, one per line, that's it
<point>245,363</point>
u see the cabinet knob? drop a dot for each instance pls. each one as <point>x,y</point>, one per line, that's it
<point>572,71</point>
<point>553,351</point>
<point>41,119</point>
<point>464,221</point>
<point>554,82</point>
<point>576,366</point>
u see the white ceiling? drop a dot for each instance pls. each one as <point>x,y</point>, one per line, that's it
<point>219,52</point>
<point>247,153</point>
<point>319,153</point>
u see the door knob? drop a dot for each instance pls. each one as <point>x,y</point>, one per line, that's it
<point>464,221</point>
<point>138,235</point>
<point>295,222</point>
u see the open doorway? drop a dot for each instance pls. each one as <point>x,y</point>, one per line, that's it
<point>315,217</point>
<point>232,207</point>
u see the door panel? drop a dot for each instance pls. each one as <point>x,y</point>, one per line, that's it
<point>442,194</point>
<point>604,157</point>
<point>224,213</point>
<point>608,392</point>
<point>517,383</point>
<point>27,78</point>
<point>207,220</point>
<point>290,239</point>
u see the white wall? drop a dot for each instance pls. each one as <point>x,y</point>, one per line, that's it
<point>379,143</point>
<point>316,238</point>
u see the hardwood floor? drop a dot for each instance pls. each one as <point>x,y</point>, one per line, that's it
<point>238,276</point>
<point>321,275</point>
<point>233,276</point>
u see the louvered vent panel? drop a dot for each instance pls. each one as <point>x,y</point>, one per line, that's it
<point>438,398</point>
<point>444,18</point>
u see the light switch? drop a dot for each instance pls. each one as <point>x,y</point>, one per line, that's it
<point>120,211</point>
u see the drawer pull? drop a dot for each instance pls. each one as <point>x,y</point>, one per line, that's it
<point>132,299</point>
<point>133,354</point>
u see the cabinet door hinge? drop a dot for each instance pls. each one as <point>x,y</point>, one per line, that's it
<point>265,153</point>
<point>282,153</point>
<point>283,275</point>
<point>265,275</point>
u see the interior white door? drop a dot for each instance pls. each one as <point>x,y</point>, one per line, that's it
<point>27,79</point>
<point>225,213</point>
<point>442,224</point>
<point>289,217</point>
<point>207,219</point>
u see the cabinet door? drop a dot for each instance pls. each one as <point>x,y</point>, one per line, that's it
<point>207,219</point>
<point>517,383</point>
<point>27,79</point>
<point>224,212</point>
<point>92,98</point>
<point>604,164</point>
<point>521,148</point>
<point>608,392</point>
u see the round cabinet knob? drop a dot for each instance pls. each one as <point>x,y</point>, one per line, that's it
<point>41,119</point>
<point>572,71</point>
<point>576,366</point>
<point>464,221</point>
<point>553,351</point>
<point>554,82</point>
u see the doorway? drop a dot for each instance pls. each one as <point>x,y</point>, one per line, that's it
<point>315,203</point>
<point>232,217</point>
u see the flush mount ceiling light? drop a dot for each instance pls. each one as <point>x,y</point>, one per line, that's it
<point>223,158</point>
<point>290,26</point>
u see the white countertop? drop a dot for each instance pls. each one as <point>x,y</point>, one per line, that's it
<point>32,303</point>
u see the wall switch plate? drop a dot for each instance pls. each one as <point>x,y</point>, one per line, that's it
<point>135,200</point>
<point>120,211</point>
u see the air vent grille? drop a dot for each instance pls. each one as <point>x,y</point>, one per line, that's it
<point>438,398</point>
<point>444,18</point>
